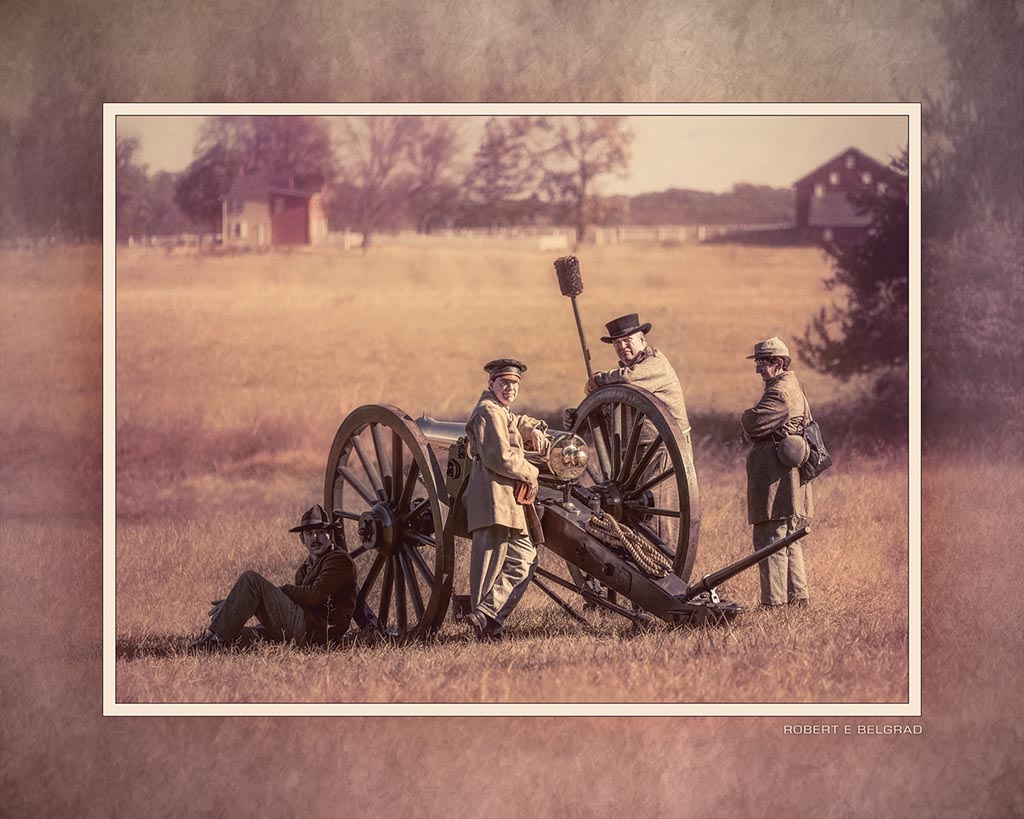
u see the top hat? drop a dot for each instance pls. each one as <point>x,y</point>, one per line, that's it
<point>625,326</point>
<point>770,348</point>
<point>314,518</point>
<point>504,367</point>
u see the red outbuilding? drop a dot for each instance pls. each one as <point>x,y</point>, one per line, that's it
<point>261,210</point>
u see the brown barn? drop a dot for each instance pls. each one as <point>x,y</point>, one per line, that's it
<point>823,208</point>
<point>261,210</point>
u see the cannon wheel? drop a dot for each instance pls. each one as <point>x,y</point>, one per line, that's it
<point>385,488</point>
<point>638,455</point>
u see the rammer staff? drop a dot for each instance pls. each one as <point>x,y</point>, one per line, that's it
<point>570,282</point>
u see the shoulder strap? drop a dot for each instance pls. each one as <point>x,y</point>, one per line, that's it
<point>807,407</point>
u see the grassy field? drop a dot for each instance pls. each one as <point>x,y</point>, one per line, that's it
<point>234,372</point>
<point>61,757</point>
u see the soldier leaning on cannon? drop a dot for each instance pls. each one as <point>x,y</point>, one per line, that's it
<point>777,502</point>
<point>643,366</point>
<point>503,558</point>
<point>316,609</point>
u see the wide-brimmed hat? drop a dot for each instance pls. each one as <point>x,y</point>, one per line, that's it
<point>770,348</point>
<point>314,518</point>
<point>504,368</point>
<point>625,326</point>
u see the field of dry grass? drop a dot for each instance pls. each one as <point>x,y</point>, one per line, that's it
<point>233,373</point>
<point>61,757</point>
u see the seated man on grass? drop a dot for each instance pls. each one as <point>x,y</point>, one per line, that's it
<point>315,610</point>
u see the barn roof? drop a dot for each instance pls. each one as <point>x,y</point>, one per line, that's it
<point>835,210</point>
<point>258,186</point>
<point>864,162</point>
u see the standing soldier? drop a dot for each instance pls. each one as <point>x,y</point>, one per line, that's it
<point>503,558</point>
<point>777,502</point>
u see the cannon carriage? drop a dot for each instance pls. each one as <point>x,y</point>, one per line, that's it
<point>399,514</point>
<point>618,502</point>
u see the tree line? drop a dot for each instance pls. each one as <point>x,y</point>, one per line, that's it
<point>382,172</point>
<point>388,172</point>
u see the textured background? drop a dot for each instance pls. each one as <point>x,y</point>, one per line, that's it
<point>60,757</point>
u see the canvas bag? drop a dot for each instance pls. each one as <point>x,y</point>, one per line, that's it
<point>818,459</point>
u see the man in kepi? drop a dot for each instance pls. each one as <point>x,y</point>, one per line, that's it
<point>643,366</point>
<point>315,610</point>
<point>777,502</point>
<point>503,558</point>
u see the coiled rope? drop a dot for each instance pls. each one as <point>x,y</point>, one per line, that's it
<point>647,556</point>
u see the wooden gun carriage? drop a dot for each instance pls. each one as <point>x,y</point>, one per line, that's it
<point>617,501</point>
<point>398,509</point>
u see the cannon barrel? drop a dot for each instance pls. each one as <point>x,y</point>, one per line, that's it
<point>710,581</point>
<point>566,458</point>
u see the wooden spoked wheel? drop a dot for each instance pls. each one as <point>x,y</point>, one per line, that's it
<point>385,486</point>
<point>641,467</point>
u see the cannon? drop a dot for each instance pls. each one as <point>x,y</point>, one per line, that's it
<point>618,502</point>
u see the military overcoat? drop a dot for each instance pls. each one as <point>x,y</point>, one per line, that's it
<point>774,491</point>
<point>325,587</point>
<point>499,460</point>
<point>651,371</point>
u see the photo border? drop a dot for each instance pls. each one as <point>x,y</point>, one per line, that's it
<point>910,708</point>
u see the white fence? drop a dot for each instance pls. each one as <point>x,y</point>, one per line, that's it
<point>534,238</point>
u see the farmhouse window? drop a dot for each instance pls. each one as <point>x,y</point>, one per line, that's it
<point>851,161</point>
<point>833,178</point>
<point>236,206</point>
<point>827,234</point>
<point>819,190</point>
<point>866,177</point>
<point>238,230</point>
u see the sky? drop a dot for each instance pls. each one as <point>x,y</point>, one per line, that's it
<point>705,152</point>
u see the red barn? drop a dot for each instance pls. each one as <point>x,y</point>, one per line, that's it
<point>262,209</point>
<point>824,211</point>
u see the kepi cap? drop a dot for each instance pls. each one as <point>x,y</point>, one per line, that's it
<point>504,367</point>
<point>625,326</point>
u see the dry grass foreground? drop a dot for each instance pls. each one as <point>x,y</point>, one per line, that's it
<point>61,757</point>
<point>232,373</point>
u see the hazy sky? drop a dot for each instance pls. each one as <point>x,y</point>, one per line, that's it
<point>710,153</point>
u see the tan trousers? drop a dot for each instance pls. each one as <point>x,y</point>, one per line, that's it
<point>501,565</point>
<point>783,578</point>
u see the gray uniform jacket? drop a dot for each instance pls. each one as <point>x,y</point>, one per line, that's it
<point>499,460</point>
<point>774,491</point>
<point>653,372</point>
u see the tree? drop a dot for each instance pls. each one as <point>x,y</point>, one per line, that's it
<point>130,181</point>
<point>975,131</point>
<point>204,183</point>
<point>870,332</point>
<point>373,156</point>
<point>230,145</point>
<point>273,144</point>
<point>502,181</point>
<point>972,264</point>
<point>578,151</point>
<point>433,147</point>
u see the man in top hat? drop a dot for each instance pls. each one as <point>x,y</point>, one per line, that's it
<point>316,609</point>
<point>641,365</point>
<point>503,558</point>
<point>648,368</point>
<point>777,502</point>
